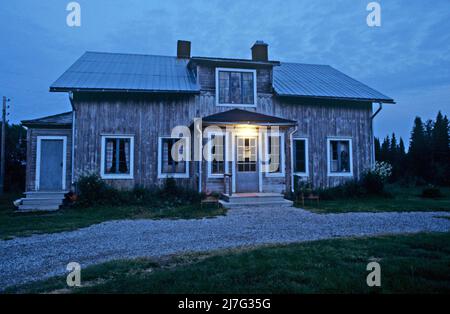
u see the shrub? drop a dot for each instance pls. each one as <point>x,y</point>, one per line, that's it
<point>373,183</point>
<point>92,190</point>
<point>383,170</point>
<point>431,191</point>
<point>350,189</point>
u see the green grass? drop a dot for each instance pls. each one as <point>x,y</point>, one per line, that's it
<point>13,224</point>
<point>404,199</point>
<point>418,263</point>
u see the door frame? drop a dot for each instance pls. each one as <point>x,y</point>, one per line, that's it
<point>38,159</point>
<point>257,136</point>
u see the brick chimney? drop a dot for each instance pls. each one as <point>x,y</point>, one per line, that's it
<point>183,49</point>
<point>260,51</point>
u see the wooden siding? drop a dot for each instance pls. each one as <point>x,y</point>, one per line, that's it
<point>32,134</point>
<point>150,116</point>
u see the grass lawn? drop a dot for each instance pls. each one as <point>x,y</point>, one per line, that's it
<point>13,224</point>
<point>418,263</point>
<point>404,199</point>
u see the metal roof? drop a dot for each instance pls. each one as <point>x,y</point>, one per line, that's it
<point>98,71</point>
<point>246,117</point>
<point>128,72</point>
<point>321,81</point>
<point>57,120</point>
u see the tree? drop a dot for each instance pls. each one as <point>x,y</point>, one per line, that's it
<point>417,149</point>
<point>15,157</point>
<point>440,149</point>
<point>377,148</point>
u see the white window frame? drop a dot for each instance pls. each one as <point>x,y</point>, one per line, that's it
<point>38,159</point>
<point>282,154</point>
<point>117,176</point>
<point>350,148</point>
<point>209,161</point>
<point>255,99</point>
<point>162,175</point>
<point>306,173</point>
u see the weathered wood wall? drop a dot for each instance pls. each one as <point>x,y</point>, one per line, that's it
<point>32,134</point>
<point>148,117</point>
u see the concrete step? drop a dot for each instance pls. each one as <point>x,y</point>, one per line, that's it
<point>275,204</point>
<point>42,201</point>
<point>38,207</point>
<point>49,194</point>
<point>246,198</point>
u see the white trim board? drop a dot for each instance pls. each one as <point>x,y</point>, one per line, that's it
<point>350,148</point>
<point>38,159</point>
<point>255,94</point>
<point>116,176</point>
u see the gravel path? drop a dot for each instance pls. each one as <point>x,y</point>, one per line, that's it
<point>42,256</point>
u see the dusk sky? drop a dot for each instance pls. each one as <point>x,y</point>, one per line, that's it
<point>407,58</point>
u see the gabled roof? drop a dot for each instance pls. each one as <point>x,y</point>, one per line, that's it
<point>58,120</point>
<point>95,71</point>
<point>321,81</point>
<point>98,71</point>
<point>245,117</point>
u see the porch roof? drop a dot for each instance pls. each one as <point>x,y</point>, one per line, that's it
<point>239,116</point>
<point>62,120</point>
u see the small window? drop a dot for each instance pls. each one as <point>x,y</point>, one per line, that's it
<point>171,158</point>
<point>275,154</point>
<point>235,87</point>
<point>340,157</point>
<point>300,155</point>
<point>217,154</point>
<point>117,157</point>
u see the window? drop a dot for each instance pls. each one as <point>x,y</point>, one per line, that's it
<point>275,154</point>
<point>117,157</point>
<point>300,156</point>
<point>216,162</point>
<point>172,157</point>
<point>246,154</point>
<point>339,157</point>
<point>235,87</point>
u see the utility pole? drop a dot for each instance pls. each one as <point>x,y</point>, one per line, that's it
<point>2,155</point>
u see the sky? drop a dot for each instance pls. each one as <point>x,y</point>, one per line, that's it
<point>406,58</point>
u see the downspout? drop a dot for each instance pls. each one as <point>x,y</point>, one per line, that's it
<point>380,106</point>
<point>72,157</point>
<point>291,139</point>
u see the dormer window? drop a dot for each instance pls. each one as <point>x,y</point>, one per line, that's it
<point>235,87</point>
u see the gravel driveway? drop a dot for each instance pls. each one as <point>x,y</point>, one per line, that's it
<point>42,256</point>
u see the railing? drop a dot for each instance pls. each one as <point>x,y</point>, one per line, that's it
<point>228,184</point>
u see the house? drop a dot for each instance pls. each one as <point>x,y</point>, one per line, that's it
<point>214,124</point>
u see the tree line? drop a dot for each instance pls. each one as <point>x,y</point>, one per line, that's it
<point>428,156</point>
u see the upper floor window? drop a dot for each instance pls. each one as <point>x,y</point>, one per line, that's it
<point>235,87</point>
<point>117,157</point>
<point>339,153</point>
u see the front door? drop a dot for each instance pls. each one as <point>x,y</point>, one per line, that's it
<point>246,164</point>
<point>51,165</point>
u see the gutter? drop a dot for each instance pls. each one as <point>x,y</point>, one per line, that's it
<point>291,139</point>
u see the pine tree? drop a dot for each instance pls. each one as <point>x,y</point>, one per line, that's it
<point>377,148</point>
<point>417,149</point>
<point>440,149</point>
<point>384,152</point>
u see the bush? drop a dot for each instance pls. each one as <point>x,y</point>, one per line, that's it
<point>350,189</point>
<point>373,183</point>
<point>431,192</point>
<point>92,190</point>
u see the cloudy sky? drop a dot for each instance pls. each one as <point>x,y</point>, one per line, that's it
<point>407,58</point>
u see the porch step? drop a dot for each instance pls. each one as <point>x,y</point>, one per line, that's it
<point>254,200</point>
<point>274,204</point>
<point>42,201</point>
<point>46,194</point>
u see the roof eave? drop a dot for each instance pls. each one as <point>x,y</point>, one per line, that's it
<point>70,89</point>
<point>378,100</point>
